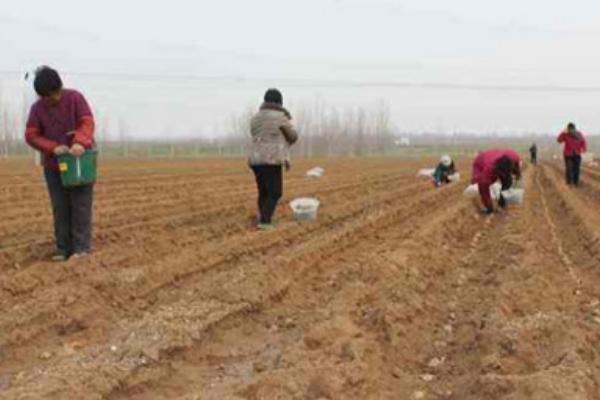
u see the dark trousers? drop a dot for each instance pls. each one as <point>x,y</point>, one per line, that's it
<point>72,212</point>
<point>269,181</point>
<point>534,158</point>
<point>572,169</point>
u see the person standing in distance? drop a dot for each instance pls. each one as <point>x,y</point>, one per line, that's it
<point>272,133</point>
<point>61,122</point>
<point>574,146</point>
<point>533,151</point>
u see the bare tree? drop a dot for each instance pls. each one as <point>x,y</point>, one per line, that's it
<point>360,128</point>
<point>3,127</point>
<point>238,132</point>
<point>382,126</point>
<point>327,131</point>
<point>124,136</point>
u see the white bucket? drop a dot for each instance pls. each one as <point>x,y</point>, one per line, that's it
<point>513,196</point>
<point>454,177</point>
<point>473,190</point>
<point>305,209</point>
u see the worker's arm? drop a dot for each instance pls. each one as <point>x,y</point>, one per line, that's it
<point>486,196</point>
<point>290,134</point>
<point>583,144</point>
<point>84,134</point>
<point>506,182</point>
<point>453,169</point>
<point>34,135</point>
<point>561,137</point>
<point>437,174</point>
<point>517,170</point>
<point>35,139</point>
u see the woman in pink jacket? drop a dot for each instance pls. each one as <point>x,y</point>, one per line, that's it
<point>575,146</point>
<point>491,166</point>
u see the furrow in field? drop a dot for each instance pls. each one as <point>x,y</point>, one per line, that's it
<point>327,318</point>
<point>186,213</point>
<point>140,283</point>
<point>269,283</point>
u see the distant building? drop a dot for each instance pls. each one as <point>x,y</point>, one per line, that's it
<point>402,142</point>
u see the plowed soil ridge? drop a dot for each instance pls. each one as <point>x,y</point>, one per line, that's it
<point>397,291</point>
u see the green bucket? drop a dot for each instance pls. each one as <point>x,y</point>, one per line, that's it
<point>78,171</point>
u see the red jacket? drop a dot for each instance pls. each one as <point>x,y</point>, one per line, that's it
<point>485,173</point>
<point>70,121</point>
<point>575,145</point>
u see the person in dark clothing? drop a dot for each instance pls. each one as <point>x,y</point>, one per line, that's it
<point>269,181</point>
<point>60,122</point>
<point>574,146</point>
<point>444,170</point>
<point>272,134</point>
<point>533,150</point>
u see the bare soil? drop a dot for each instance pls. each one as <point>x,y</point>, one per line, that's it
<point>397,291</point>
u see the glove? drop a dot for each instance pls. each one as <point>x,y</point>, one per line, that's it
<point>502,201</point>
<point>62,149</point>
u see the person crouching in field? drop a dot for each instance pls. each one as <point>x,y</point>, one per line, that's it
<point>491,166</point>
<point>574,146</point>
<point>444,170</point>
<point>61,122</point>
<point>272,134</point>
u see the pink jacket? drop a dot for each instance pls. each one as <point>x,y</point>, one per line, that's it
<point>485,174</point>
<point>575,145</point>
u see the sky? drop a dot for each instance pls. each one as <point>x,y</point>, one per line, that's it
<point>181,68</point>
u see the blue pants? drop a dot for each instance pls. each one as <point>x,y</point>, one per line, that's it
<point>72,212</point>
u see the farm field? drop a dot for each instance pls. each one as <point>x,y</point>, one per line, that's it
<point>397,291</point>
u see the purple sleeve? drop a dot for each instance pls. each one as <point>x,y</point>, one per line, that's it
<point>34,134</point>
<point>82,108</point>
<point>33,121</point>
<point>84,134</point>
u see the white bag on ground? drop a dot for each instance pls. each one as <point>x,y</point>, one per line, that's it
<point>426,172</point>
<point>454,177</point>
<point>316,172</point>
<point>305,208</point>
<point>513,196</point>
<point>473,190</point>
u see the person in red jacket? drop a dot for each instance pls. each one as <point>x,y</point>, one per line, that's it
<point>574,146</point>
<point>60,122</point>
<point>491,166</point>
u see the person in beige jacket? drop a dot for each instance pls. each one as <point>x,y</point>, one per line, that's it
<point>272,134</point>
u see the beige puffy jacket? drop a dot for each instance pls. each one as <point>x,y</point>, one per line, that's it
<point>272,135</point>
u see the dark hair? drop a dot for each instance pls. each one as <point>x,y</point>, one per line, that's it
<point>504,167</point>
<point>571,126</point>
<point>274,96</point>
<point>47,81</point>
